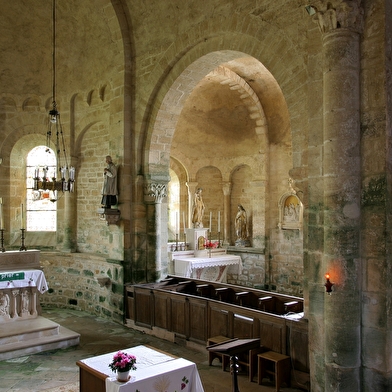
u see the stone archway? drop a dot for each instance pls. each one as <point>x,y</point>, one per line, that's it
<point>242,73</point>
<point>226,110</point>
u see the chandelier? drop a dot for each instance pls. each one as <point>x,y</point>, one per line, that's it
<point>66,175</point>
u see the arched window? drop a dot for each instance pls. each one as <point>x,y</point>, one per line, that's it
<point>40,210</point>
<point>173,205</point>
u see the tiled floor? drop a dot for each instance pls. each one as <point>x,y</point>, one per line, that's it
<point>98,336</point>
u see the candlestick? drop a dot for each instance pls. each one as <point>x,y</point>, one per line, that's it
<point>218,221</point>
<point>209,239</point>
<point>2,240</point>
<point>22,219</point>
<point>1,216</point>
<point>22,247</point>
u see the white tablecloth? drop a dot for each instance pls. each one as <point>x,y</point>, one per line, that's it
<point>156,372</point>
<point>172,376</point>
<point>209,268</point>
<point>26,278</point>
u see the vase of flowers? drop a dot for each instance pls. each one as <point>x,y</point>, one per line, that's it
<point>122,364</point>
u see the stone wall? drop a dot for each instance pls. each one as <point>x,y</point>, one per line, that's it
<point>85,282</point>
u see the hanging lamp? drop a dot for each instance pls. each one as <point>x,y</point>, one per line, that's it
<point>66,174</point>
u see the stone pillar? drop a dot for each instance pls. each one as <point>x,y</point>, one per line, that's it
<point>226,188</point>
<point>340,23</point>
<point>154,194</point>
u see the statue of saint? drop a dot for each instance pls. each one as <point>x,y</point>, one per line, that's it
<point>109,189</point>
<point>198,209</point>
<point>241,229</point>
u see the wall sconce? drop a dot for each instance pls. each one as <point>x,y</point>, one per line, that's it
<point>110,215</point>
<point>328,285</point>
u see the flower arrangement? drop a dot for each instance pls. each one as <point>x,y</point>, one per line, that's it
<point>123,362</point>
<point>210,245</point>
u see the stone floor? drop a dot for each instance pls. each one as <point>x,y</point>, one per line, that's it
<point>98,336</point>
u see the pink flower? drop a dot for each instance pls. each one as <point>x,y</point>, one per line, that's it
<point>123,362</point>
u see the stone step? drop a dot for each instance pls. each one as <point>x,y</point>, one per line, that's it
<point>31,336</point>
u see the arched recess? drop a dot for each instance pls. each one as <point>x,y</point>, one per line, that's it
<point>241,194</point>
<point>178,168</point>
<point>252,86</point>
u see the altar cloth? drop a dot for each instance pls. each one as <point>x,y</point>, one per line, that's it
<point>154,370</point>
<point>23,278</point>
<point>175,375</point>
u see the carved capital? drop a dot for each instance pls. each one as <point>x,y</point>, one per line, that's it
<point>338,14</point>
<point>155,192</point>
<point>226,188</point>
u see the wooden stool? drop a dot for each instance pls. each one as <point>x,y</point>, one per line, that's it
<point>280,367</point>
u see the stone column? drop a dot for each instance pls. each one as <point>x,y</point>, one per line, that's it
<point>340,23</point>
<point>226,188</point>
<point>154,194</point>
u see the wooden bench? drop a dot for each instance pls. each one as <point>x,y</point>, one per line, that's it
<point>276,365</point>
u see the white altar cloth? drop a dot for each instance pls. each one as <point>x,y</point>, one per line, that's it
<point>25,278</point>
<point>156,371</point>
<point>209,268</point>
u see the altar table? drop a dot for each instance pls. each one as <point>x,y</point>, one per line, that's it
<point>25,278</point>
<point>212,268</point>
<point>156,371</point>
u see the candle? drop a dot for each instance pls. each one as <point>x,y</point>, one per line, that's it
<point>210,219</point>
<point>183,218</point>
<point>176,222</point>
<point>22,219</point>
<point>218,221</point>
<point>1,216</point>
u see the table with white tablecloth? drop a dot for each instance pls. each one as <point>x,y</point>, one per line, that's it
<point>212,268</point>
<point>23,278</point>
<point>156,371</point>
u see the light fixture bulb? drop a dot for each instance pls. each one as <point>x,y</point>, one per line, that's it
<point>53,116</point>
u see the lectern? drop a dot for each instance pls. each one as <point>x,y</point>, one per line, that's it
<point>233,349</point>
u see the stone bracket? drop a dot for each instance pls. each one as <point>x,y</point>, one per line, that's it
<point>110,215</point>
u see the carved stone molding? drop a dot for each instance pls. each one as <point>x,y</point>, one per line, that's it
<point>155,192</point>
<point>338,14</point>
<point>18,303</point>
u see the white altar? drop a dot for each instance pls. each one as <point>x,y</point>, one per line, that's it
<point>22,329</point>
<point>18,294</point>
<point>212,268</point>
